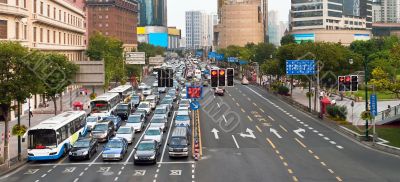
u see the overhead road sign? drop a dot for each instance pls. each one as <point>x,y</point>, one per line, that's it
<point>300,67</point>
<point>135,58</point>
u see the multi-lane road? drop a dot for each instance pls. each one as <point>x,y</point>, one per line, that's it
<point>247,135</point>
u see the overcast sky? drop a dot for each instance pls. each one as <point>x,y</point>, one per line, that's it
<point>177,8</point>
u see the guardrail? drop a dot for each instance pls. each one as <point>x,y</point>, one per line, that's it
<point>388,115</point>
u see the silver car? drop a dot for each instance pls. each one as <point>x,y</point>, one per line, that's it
<point>126,132</point>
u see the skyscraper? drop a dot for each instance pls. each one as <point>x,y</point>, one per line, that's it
<point>387,11</point>
<point>153,13</point>
<point>199,29</point>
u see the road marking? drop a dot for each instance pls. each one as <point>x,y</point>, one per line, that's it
<point>277,152</point>
<point>275,132</point>
<point>280,157</point>
<point>37,180</point>
<point>86,168</point>
<point>259,129</point>
<point>331,171</point>
<point>242,110</point>
<point>116,179</point>
<point>223,116</point>
<point>326,138</point>
<point>285,164</point>
<point>295,179</point>
<point>218,105</point>
<point>332,142</point>
<point>183,162</point>
<point>249,118</point>
<point>81,174</point>
<point>306,125</point>
<point>254,104</point>
<point>76,179</point>
<point>316,157</point>
<point>310,151</point>
<point>310,128</point>
<point>301,122</point>
<point>272,144</point>
<point>323,163</point>
<point>234,139</point>
<point>283,128</point>
<point>175,172</point>
<point>233,99</point>
<point>262,110</point>
<point>298,120</point>
<point>298,132</point>
<point>271,118</point>
<point>119,173</point>
<point>338,178</point>
<point>69,170</point>
<point>338,146</point>
<point>290,171</point>
<point>95,159</point>
<point>320,134</point>
<point>31,171</point>
<point>169,131</point>
<point>238,104</point>
<point>49,170</point>
<point>192,176</point>
<point>248,98</point>
<point>315,131</point>
<point>156,175</point>
<point>123,167</point>
<point>301,143</point>
<point>103,169</point>
<point>44,175</point>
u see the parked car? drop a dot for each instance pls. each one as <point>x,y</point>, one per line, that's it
<point>104,130</point>
<point>146,152</point>
<point>126,132</point>
<point>145,106</point>
<point>178,146</point>
<point>153,134</point>
<point>91,121</point>
<point>116,119</point>
<point>159,122</point>
<point>83,148</point>
<point>115,149</point>
<point>136,121</point>
<point>123,110</point>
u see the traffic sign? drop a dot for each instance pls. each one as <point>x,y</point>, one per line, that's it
<point>300,67</point>
<point>194,105</point>
<point>373,104</point>
<point>219,57</point>
<point>194,92</point>
<point>135,58</point>
<point>233,59</point>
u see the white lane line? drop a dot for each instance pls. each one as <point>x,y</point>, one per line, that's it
<point>218,105</point>
<point>119,173</point>
<point>262,110</point>
<point>259,129</point>
<point>339,147</point>
<point>310,128</point>
<point>95,159</point>
<point>183,162</point>
<point>158,170</point>
<point>298,120</point>
<point>271,118</point>
<point>49,170</point>
<point>320,134</point>
<point>156,175</point>
<point>283,128</point>
<point>44,175</point>
<point>223,116</point>
<point>301,122</point>
<point>326,138</point>
<point>238,104</point>
<point>76,179</point>
<point>332,142</point>
<point>192,176</point>
<point>166,141</point>
<point>116,179</point>
<point>37,180</point>
<point>331,171</point>
<point>234,139</point>
<point>81,174</point>
<point>315,131</point>
<point>248,98</point>
<point>123,167</point>
<point>249,118</point>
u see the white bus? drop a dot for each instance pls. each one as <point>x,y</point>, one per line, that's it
<point>52,138</point>
<point>124,91</point>
<point>104,105</point>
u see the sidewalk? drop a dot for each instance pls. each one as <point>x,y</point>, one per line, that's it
<point>299,95</point>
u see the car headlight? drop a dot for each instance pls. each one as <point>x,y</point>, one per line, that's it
<point>170,149</point>
<point>70,153</point>
<point>153,157</point>
<point>136,157</point>
<point>85,153</point>
<point>117,155</point>
<point>185,149</point>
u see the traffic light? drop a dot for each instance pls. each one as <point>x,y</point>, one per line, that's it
<point>229,77</point>
<point>221,78</point>
<point>347,83</point>
<point>214,78</point>
<point>341,84</point>
<point>354,83</point>
<point>170,78</point>
<point>161,78</point>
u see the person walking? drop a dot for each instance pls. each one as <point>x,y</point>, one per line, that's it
<point>30,112</point>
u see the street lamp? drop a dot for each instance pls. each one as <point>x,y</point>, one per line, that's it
<point>366,95</point>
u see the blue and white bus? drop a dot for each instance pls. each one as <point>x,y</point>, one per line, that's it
<point>104,105</point>
<point>124,91</point>
<point>52,138</point>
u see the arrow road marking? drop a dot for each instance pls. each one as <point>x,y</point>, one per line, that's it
<point>298,132</point>
<point>175,172</point>
<point>139,173</point>
<point>69,170</point>
<point>234,139</point>
<point>215,131</point>
<point>250,135</point>
<point>275,132</point>
<point>31,171</point>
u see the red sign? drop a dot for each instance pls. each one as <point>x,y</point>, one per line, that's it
<point>193,92</point>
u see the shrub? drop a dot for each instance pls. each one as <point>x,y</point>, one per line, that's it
<point>18,130</point>
<point>283,90</point>
<point>92,96</point>
<point>339,112</point>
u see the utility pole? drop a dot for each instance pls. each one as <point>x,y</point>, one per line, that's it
<point>366,96</point>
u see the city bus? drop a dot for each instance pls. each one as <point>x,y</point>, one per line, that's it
<point>124,91</point>
<point>104,104</point>
<point>52,138</point>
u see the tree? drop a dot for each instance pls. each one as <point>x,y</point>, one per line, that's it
<point>287,39</point>
<point>150,50</point>
<point>382,81</point>
<point>56,75</point>
<point>17,80</point>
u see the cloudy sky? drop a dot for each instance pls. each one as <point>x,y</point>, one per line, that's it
<point>177,8</point>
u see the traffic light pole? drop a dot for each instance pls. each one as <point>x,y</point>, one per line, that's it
<point>366,97</point>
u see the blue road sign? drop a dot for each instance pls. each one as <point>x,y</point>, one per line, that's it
<point>194,105</point>
<point>233,59</point>
<point>219,57</point>
<point>373,104</point>
<point>300,67</point>
<point>212,55</point>
<point>199,53</point>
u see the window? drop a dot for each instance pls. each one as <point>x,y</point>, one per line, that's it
<point>34,34</point>
<point>59,37</point>
<point>3,29</point>
<point>41,35</point>
<point>34,6</point>
<point>25,32</point>
<point>16,3</point>
<point>59,15</point>
<point>54,37</point>
<point>48,36</point>
<point>65,17</point>
<point>54,13</point>
<point>17,30</point>
<point>24,3</point>
<point>64,38</point>
<point>68,38</point>
<point>48,10</point>
<point>41,8</point>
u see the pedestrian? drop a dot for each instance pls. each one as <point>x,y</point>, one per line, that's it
<point>30,112</point>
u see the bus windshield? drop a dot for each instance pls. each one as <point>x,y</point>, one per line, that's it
<point>98,106</point>
<point>42,139</point>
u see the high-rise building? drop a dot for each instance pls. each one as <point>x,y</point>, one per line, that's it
<point>153,13</point>
<point>117,18</point>
<point>341,21</point>
<point>199,29</point>
<point>276,28</point>
<point>387,11</point>
<point>241,22</point>
<point>45,25</point>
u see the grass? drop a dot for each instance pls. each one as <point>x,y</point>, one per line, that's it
<point>391,134</point>
<point>382,95</point>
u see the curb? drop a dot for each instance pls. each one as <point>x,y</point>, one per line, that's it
<point>12,168</point>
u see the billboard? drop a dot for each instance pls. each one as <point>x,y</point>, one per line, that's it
<point>135,58</point>
<point>308,37</point>
<point>361,37</point>
<point>158,60</point>
<point>158,39</point>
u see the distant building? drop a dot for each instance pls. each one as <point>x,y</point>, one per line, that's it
<point>276,28</point>
<point>154,35</point>
<point>199,29</point>
<point>174,37</point>
<point>153,13</point>
<point>386,11</point>
<point>117,18</point>
<point>241,22</point>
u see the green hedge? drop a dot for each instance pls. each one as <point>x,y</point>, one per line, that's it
<point>338,112</point>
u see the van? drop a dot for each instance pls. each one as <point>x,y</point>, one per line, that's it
<point>178,145</point>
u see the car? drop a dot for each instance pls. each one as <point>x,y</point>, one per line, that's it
<point>147,91</point>
<point>183,94</point>
<point>245,81</point>
<point>187,106</point>
<point>142,86</point>
<point>145,106</point>
<point>115,149</point>
<point>162,111</point>
<point>178,146</point>
<point>219,91</point>
<point>153,100</point>
<point>91,121</point>
<point>143,112</point>
<point>155,84</point>
<point>168,102</point>
<point>182,118</point>
<point>135,100</point>
<point>103,131</point>
<point>126,132</point>
<point>153,134</point>
<point>162,89</point>
<point>146,152</point>
<point>83,148</point>
<point>116,119</point>
<point>123,110</point>
<point>155,73</point>
<point>171,94</point>
<point>159,122</point>
<point>205,83</point>
<point>185,101</point>
<point>136,121</point>
<point>184,108</point>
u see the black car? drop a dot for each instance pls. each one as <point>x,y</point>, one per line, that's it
<point>83,148</point>
<point>123,111</point>
<point>147,152</point>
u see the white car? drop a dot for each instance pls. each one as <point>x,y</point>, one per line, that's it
<point>184,101</point>
<point>145,106</point>
<point>142,86</point>
<point>159,122</point>
<point>91,121</point>
<point>182,118</point>
<point>153,134</point>
<point>161,111</point>
<point>162,89</point>
<point>183,94</point>
<point>183,109</point>
<point>136,121</point>
<point>155,84</point>
<point>152,99</point>
<point>147,91</point>
<point>126,132</point>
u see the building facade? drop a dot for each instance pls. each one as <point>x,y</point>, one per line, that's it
<point>174,37</point>
<point>45,25</point>
<point>199,29</point>
<point>387,11</point>
<point>153,13</point>
<point>117,18</point>
<point>240,22</point>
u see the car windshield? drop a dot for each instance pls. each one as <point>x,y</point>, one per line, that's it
<point>135,98</point>
<point>100,127</point>
<point>124,131</point>
<point>91,119</point>
<point>159,111</point>
<point>114,144</point>
<point>145,146</point>
<point>178,141</point>
<point>122,107</point>
<point>153,132</point>
<point>133,119</point>
<point>143,105</point>
<point>82,144</point>
<point>157,120</point>
<point>184,102</point>
<point>182,118</point>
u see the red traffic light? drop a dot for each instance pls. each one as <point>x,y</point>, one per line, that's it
<point>222,72</point>
<point>214,72</point>
<point>348,79</point>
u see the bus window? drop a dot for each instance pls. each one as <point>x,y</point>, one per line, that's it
<point>41,139</point>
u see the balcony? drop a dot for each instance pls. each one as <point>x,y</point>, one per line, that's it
<point>38,18</point>
<point>13,10</point>
<point>56,47</point>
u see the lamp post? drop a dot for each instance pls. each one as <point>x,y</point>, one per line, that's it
<point>366,96</point>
